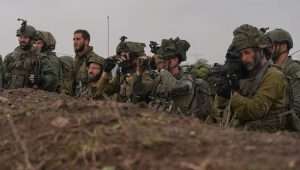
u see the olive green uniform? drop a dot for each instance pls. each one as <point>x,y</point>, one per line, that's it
<point>262,101</point>
<point>180,94</point>
<point>67,67</point>
<point>52,66</point>
<point>261,108</point>
<point>291,69</point>
<point>19,64</point>
<point>50,71</point>
<point>120,86</point>
<point>80,69</point>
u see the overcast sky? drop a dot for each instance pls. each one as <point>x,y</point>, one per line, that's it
<point>206,24</point>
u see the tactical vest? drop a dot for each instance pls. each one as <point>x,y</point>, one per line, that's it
<point>291,70</point>
<point>248,87</point>
<point>80,71</point>
<point>274,120</point>
<point>19,65</point>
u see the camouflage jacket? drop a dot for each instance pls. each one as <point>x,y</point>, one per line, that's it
<point>80,69</point>
<point>67,69</point>
<point>180,94</point>
<point>291,69</point>
<point>261,101</point>
<point>19,64</point>
<point>119,87</point>
<point>51,71</point>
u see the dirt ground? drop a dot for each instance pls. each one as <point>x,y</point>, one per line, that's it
<point>47,131</point>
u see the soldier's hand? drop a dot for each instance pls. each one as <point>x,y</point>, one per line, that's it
<point>108,65</point>
<point>34,79</point>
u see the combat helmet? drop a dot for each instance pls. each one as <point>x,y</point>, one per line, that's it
<point>134,48</point>
<point>248,36</point>
<point>26,30</point>
<point>280,36</point>
<point>47,38</point>
<point>173,48</point>
<point>97,60</point>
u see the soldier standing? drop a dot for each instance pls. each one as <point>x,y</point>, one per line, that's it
<point>45,44</point>
<point>282,44</point>
<point>23,67</point>
<point>84,54</point>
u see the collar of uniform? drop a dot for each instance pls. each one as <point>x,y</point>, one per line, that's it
<point>286,63</point>
<point>19,51</point>
<point>84,52</point>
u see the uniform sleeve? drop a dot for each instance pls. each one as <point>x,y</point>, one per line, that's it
<point>295,90</point>
<point>173,86</point>
<point>271,90</point>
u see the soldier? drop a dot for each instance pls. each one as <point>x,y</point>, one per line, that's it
<point>172,90</point>
<point>94,70</point>
<point>200,69</point>
<point>126,59</point>
<point>260,101</point>
<point>23,68</point>
<point>84,54</point>
<point>282,44</point>
<point>45,43</point>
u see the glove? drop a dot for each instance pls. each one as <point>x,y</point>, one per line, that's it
<point>34,79</point>
<point>223,89</point>
<point>108,65</point>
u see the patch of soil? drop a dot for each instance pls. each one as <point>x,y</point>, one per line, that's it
<point>49,131</point>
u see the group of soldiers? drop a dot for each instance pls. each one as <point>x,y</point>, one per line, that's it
<point>258,87</point>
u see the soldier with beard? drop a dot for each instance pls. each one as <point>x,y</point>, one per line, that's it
<point>84,56</point>
<point>258,102</point>
<point>23,68</point>
<point>94,70</point>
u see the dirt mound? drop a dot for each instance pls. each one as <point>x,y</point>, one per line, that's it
<point>47,131</point>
